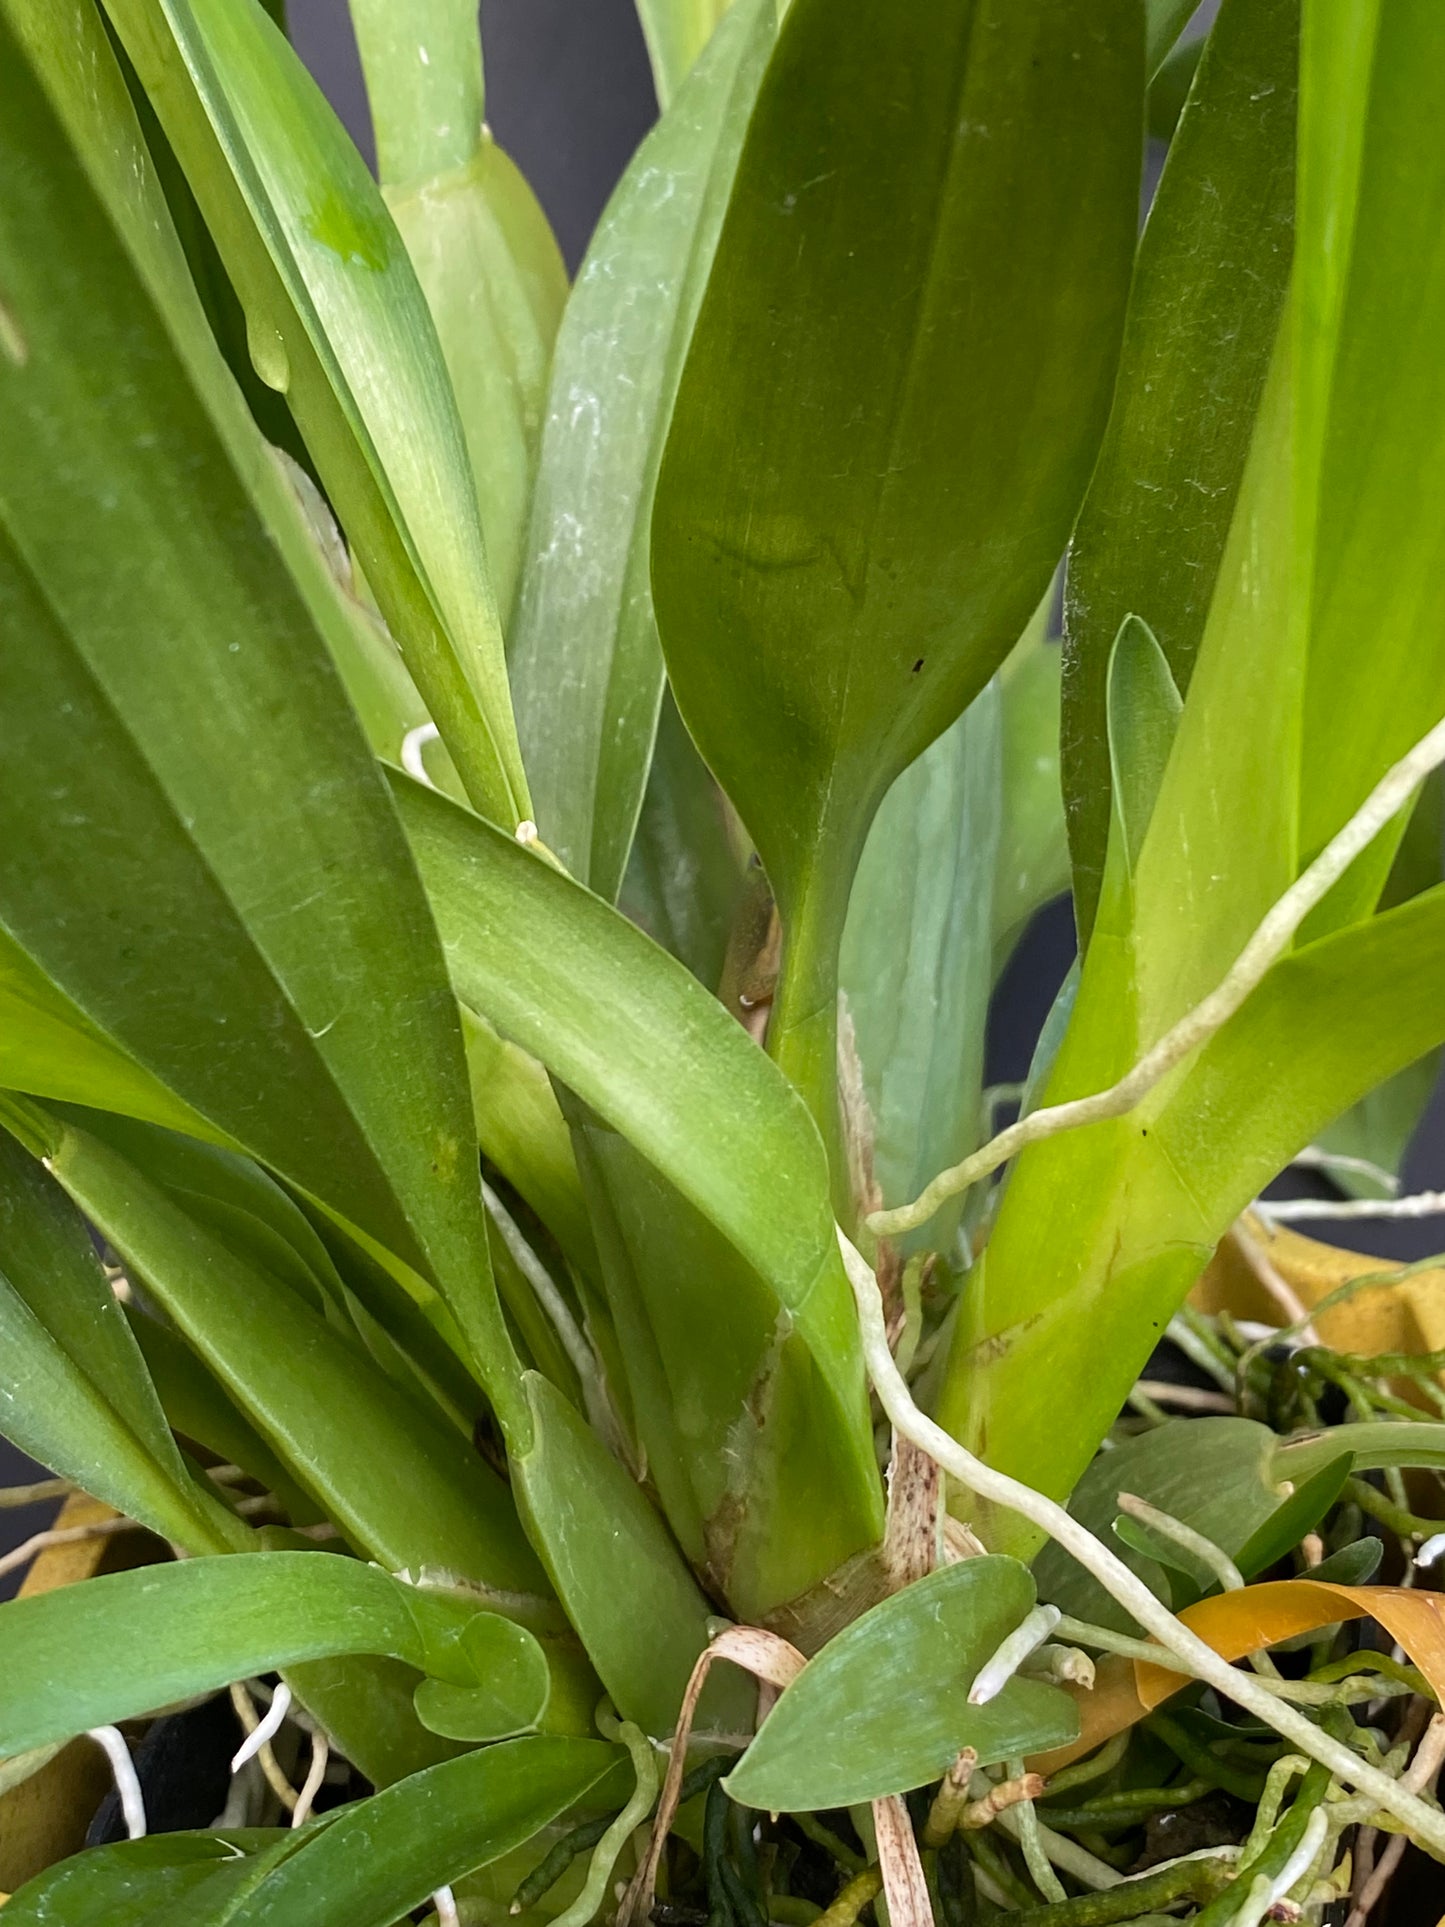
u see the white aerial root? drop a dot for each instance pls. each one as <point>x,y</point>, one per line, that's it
<point>265,1729</point>
<point>1271,939</point>
<point>1213,1557</point>
<point>1315,1158</point>
<point>445,1902</point>
<point>1421,1204</point>
<point>1426,1822</point>
<point>1026,1638</point>
<point>127,1782</point>
<point>412,745</point>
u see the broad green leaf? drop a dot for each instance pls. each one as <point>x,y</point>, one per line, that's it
<point>676,31</point>
<point>1033,852</point>
<point>917,958</point>
<point>637,1608</point>
<point>1203,315</point>
<point>848,535</point>
<point>585,662</point>
<point>1218,1475</point>
<point>419,1496</point>
<point>129,1883</point>
<point>1372,402</point>
<point>763,1478</point>
<point>660,1062</point>
<point>271,960</point>
<point>212,1620</point>
<point>1103,1231</point>
<point>74,1390</point>
<point>884,1707</point>
<point>198,1409</point>
<point>457,1817</point>
<point>685,876</point>
<point>49,1047</point>
<point>370,1865</point>
<point>339,321</point>
<point>483,252</point>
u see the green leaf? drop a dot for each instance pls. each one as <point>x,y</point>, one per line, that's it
<point>1352,1565</point>
<point>1164,21</point>
<point>1203,315</point>
<point>128,1883</point>
<point>391,1853</point>
<point>685,876</point>
<point>917,959</point>
<point>621,1024</point>
<point>212,1620</point>
<point>848,537</point>
<point>198,1409</point>
<point>74,1390</point>
<point>419,1496</point>
<point>1103,1231</point>
<point>1302,1511</point>
<point>1033,852</point>
<point>676,31</point>
<point>884,1707</point>
<point>521,1129</point>
<point>585,661</point>
<point>272,961</point>
<point>1374,1446</point>
<point>640,1614</point>
<point>486,259</point>
<point>383,1857</point>
<point>1219,1476</point>
<point>761,1472</point>
<point>1144,707</point>
<point>1368,381</point>
<point>339,321</point>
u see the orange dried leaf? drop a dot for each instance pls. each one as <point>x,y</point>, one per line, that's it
<point>1244,1621</point>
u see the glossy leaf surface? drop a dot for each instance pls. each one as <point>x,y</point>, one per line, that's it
<point>626,1588</point>
<point>74,1391</point>
<point>420,1497</point>
<point>131,1882</point>
<point>660,1062</point>
<point>848,537</point>
<point>1204,311</point>
<point>366,1866</point>
<point>884,1707</point>
<point>585,661</point>
<point>270,975</point>
<point>338,320</point>
<point>210,1621</point>
<point>1299,697</point>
